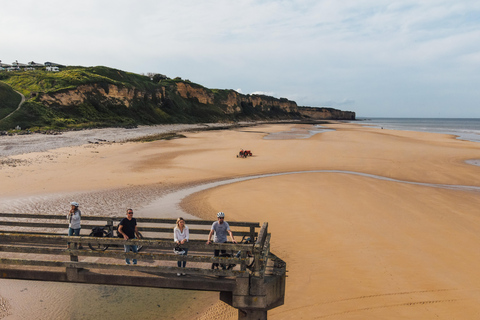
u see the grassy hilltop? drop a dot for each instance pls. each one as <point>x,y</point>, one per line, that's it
<point>78,97</point>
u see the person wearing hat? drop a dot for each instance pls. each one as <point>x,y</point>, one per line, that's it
<point>74,226</point>
<point>219,230</point>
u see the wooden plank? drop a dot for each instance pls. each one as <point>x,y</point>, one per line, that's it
<point>92,265</point>
<point>204,283</point>
<point>34,224</point>
<point>144,256</point>
<point>117,219</point>
<point>63,239</point>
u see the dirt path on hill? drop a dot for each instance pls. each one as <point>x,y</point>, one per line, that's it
<point>19,105</point>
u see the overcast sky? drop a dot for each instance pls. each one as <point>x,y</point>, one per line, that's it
<point>378,58</point>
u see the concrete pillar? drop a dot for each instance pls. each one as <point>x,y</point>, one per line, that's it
<point>248,314</point>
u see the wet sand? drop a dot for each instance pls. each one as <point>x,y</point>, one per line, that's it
<point>355,246</point>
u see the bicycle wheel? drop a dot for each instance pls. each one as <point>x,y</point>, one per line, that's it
<point>98,246</point>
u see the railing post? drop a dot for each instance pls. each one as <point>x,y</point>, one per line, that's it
<point>243,265</point>
<point>252,233</point>
<point>258,249</point>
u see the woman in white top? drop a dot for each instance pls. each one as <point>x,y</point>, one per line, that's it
<point>74,217</point>
<point>180,236</point>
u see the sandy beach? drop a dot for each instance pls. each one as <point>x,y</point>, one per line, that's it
<point>373,224</point>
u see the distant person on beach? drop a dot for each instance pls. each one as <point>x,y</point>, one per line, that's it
<point>220,229</point>
<point>74,226</point>
<point>180,236</point>
<point>128,229</point>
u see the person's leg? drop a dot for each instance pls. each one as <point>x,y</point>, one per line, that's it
<point>215,254</point>
<point>185,262</point>
<point>76,232</point>
<point>134,250</point>
<point>127,250</point>
<point>223,255</point>
<point>70,233</point>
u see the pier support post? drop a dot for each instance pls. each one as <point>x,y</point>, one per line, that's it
<point>254,296</point>
<point>246,314</point>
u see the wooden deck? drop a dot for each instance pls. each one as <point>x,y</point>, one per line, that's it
<point>34,247</point>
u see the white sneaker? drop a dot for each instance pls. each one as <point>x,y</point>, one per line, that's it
<point>178,274</point>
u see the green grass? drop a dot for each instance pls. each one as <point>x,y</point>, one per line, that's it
<point>153,102</point>
<point>9,100</point>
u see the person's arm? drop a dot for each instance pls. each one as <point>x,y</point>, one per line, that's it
<point>175,235</point>
<point>210,236</point>
<point>136,232</point>
<point>231,236</point>
<point>187,235</point>
<point>120,230</point>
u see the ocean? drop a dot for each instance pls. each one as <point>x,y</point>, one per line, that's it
<point>464,128</point>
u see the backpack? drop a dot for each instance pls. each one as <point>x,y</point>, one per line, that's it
<point>118,233</point>
<point>97,231</point>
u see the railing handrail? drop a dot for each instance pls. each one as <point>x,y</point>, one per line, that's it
<point>38,225</point>
<point>153,243</point>
<point>25,244</point>
<point>192,230</point>
<point>119,218</point>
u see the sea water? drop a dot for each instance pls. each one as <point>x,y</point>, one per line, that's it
<point>463,128</point>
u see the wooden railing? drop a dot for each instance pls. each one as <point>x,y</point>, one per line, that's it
<point>39,240</point>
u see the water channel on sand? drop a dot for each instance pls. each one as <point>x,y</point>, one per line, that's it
<point>78,301</point>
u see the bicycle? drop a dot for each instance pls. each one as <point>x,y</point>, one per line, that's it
<point>106,232</point>
<point>230,266</point>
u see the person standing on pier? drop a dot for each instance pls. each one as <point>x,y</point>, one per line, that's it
<point>220,229</point>
<point>180,236</point>
<point>74,226</point>
<point>128,229</point>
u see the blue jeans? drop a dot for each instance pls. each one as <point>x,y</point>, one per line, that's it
<point>179,263</point>
<point>134,250</point>
<point>73,232</point>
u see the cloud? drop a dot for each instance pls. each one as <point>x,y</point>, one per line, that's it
<point>315,52</point>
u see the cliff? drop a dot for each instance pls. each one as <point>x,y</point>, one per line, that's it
<point>326,113</point>
<point>99,96</point>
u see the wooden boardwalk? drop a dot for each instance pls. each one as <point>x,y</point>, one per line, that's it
<point>34,247</point>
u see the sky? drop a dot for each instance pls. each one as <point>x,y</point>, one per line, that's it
<point>377,58</point>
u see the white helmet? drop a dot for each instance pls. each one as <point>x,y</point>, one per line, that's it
<point>74,204</point>
<point>220,215</point>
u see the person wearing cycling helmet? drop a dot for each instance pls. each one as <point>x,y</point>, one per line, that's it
<point>219,230</point>
<point>73,217</point>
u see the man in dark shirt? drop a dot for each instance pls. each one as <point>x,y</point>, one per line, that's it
<point>128,228</point>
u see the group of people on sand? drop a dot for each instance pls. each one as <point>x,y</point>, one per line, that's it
<point>128,229</point>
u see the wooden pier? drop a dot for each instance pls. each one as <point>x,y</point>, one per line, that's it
<point>34,247</point>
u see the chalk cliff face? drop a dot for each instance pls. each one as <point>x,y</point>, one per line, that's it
<point>228,103</point>
<point>326,113</point>
<point>114,94</point>
<point>232,101</point>
<point>188,91</point>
